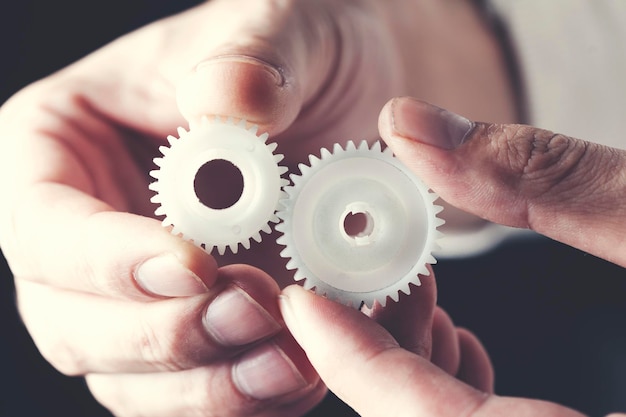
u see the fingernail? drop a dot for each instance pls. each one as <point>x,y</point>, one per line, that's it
<point>166,276</point>
<point>267,372</point>
<point>234,319</point>
<point>286,310</point>
<point>432,125</point>
<point>212,65</point>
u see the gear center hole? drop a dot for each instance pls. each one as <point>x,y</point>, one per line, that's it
<point>218,184</point>
<point>358,225</point>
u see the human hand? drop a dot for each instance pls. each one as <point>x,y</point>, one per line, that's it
<point>424,367</point>
<point>567,189</point>
<point>103,289</point>
<point>517,175</point>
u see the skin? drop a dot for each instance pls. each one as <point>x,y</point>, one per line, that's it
<point>78,230</point>
<point>529,173</point>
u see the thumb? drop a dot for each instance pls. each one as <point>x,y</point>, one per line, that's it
<point>256,64</point>
<point>363,365</point>
<point>561,187</point>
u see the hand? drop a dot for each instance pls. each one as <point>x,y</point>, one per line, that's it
<point>104,290</point>
<point>516,175</point>
<point>564,188</point>
<point>429,369</point>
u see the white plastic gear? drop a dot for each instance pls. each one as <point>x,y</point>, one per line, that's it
<point>250,215</point>
<point>385,255</point>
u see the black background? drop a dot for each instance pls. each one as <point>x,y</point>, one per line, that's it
<point>552,317</point>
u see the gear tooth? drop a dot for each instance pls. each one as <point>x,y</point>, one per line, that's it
<point>175,230</point>
<point>172,140</point>
<point>313,160</point>
<point>302,167</point>
<point>437,209</point>
<point>388,151</point>
<point>337,148</point>
<point>284,182</point>
<point>234,248</point>
<point>394,296</point>
<point>272,146</point>
<point>253,129</point>
<point>217,119</point>
<point>439,222</point>
<point>273,219</point>
<point>242,124</point>
<point>363,146</point>
<point>299,275</point>
<point>324,153</point>
<point>377,146</point>
<point>292,264</point>
<point>281,240</point>
<point>154,186</point>
<point>230,121</point>
<point>282,170</point>
<point>155,173</point>
<point>181,132</point>
<point>156,199</point>
<point>158,162</point>
<point>350,146</point>
<point>267,228</point>
<point>164,150</point>
<point>423,271</point>
<point>430,259</point>
<point>307,284</point>
<point>264,137</point>
<point>220,249</point>
<point>257,237</point>
<point>406,289</point>
<point>160,211</point>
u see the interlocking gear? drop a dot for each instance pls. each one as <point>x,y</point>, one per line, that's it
<point>358,226</point>
<point>251,214</point>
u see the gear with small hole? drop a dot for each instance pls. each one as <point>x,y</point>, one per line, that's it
<point>221,228</point>
<point>358,226</point>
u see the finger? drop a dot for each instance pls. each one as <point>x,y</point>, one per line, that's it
<point>520,176</point>
<point>68,239</point>
<point>272,379</point>
<point>81,333</point>
<point>446,351</point>
<point>411,318</point>
<point>361,363</point>
<point>475,366</point>
<point>262,63</point>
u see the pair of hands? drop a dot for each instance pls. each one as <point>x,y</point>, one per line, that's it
<point>156,326</point>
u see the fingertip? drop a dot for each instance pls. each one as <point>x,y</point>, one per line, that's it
<point>254,282</point>
<point>240,86</point>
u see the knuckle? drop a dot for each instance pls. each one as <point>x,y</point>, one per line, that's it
<point>543,161</point>
<point>155,349</point>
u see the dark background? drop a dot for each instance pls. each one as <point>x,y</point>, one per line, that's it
<point>552,317</point>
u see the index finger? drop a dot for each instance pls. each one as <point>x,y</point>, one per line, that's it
<point>65,238</point>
